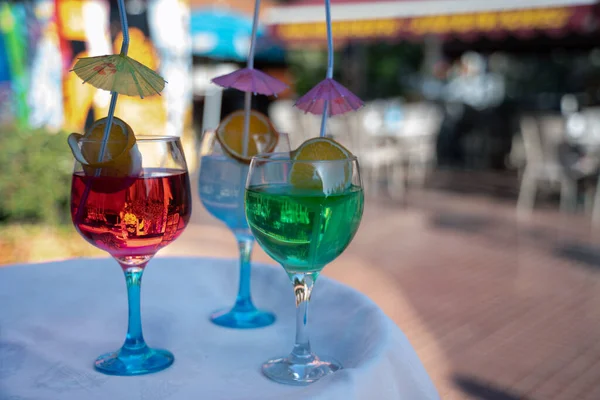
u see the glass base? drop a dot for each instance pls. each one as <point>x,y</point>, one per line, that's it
<point>146,362</point>
<point>242,319</point>
<point>283,370</point>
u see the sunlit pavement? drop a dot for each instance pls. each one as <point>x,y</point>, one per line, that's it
<point>496,307</point>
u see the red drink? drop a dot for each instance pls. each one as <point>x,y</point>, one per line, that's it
<point>131,216</point>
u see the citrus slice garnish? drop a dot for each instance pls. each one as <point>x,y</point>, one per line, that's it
<point>321,176</point>
<point>262,136</point>
<point>121,156</point>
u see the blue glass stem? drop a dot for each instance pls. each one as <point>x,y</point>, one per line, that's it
<point>134,342</point>
<point>243,302</point>
<point>303,285</point>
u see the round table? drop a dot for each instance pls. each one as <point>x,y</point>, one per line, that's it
<point>56,318</point>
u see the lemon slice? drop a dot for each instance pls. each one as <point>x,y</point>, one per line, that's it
<point>327,177</point>
<point>121,156</point>
<point>262,136</point>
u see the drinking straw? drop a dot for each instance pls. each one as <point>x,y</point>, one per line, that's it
<point>114,95</point>
<point>248,96</point>
<point>111,109</point>
<point>329,62</point>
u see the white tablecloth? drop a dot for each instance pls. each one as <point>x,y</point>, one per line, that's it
<point>56,318</point>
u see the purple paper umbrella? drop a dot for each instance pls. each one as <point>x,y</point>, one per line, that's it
<point>328,93</point>
<point>251,80</point>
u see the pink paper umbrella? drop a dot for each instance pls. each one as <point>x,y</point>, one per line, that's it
<point>251,80</point>
<point>330,95</point>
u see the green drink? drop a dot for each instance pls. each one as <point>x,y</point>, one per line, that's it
<point>304,207</point>
<point>303,229</point>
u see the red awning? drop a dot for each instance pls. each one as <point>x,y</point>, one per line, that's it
<point>302,22</point>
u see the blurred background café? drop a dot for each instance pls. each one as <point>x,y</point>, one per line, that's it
<point>479,144</point>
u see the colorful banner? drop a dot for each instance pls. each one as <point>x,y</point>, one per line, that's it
<point>4,68</point>
<point>146,116</point>
<point>41,40</point>
<point>158,37</point>
<point>45,95</point>
<point>169,24</point>
<point>13,27</point>
<point>71,15</point>
<point>5,87</point>
<point>83,26</point>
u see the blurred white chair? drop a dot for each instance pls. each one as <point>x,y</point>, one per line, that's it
<point>591,132</point>
<point>382,163</point>
<point>417,136</point>
<point>516,157</point>
<point>286,118</point>
<point>591,118</point>
<point>361,132</point>
<point>541,137</point>
<point>281,112</point>
<point>310,124</point>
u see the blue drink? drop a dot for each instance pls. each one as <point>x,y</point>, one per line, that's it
<point>221,186</point>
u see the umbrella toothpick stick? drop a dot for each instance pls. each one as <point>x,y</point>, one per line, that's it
<point>328,97</point>
<point>247,106</point>
<point>253,38</point>
<point>114,95</point>
<point>248,97</point>
<point>329,63</point>
<point>111,108</point>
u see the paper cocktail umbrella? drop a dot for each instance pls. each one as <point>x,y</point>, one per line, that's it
<point>331,96</point>
<point>250,80</point>
<point>119,73</point>
<point>328,97</point>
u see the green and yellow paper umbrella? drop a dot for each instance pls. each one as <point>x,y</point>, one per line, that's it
<point>119,73</point>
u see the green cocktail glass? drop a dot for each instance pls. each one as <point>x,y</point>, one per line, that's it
<point>303,224</point>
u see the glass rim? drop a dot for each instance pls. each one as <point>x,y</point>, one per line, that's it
<point>270,158</point>
<point>138,138</point>
<point>214,131</point>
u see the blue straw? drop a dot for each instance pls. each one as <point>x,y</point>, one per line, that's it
<point>114,95</point>
<point>254,29</point>
<point>124,28</point>
<point>329,62</point>
<point>248,96</point>
<point>329,40</point>
<point>111,109</point>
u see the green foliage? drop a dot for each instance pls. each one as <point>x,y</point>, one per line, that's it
<point>308,67</point>
<point>391,66</point>
<point>384,68</point>
<point>35,176</point>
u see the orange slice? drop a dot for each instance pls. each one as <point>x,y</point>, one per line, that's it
<point>321,176</point>
<point>262,136</point>
<point>121,156</point>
